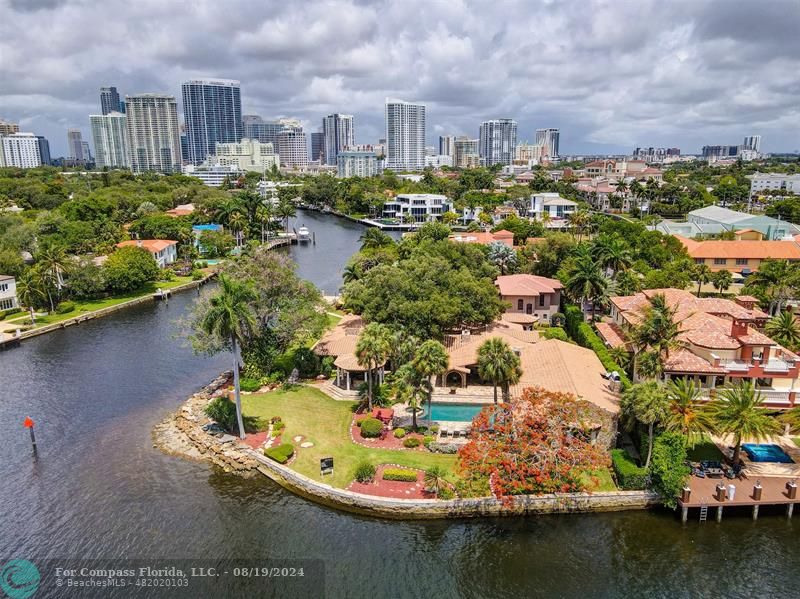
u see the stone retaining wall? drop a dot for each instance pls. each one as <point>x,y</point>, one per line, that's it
<point>245,461</point>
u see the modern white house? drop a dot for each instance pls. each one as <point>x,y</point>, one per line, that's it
<point>165,251</point>
<point>417,207</point>
<point>8,292</point>
<point>557,208</point>
<point>213,176</point>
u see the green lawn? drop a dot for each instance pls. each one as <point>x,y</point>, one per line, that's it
<point>704,451</point>
<point>602,479</point>
<point>82,308</point>
<point>325,422</point>
<point>796,441</point>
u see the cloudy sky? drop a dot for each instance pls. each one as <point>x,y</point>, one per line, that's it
<point>610,74</point>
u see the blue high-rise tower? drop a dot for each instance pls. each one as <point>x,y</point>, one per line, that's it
<point>212,111</point>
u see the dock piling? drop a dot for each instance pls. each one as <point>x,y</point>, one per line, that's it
<point>755,512</point>
<point>719,514</point>
<point>789,510</point>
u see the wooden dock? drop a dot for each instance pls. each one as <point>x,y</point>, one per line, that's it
<point>703,495</point>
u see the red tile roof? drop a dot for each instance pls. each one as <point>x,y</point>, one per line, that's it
<point>151,245</point>
<point>611,334</point>
<point>742,248</point>
<point>526,285</point>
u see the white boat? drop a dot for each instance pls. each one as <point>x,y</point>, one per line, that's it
<point>303,234</point>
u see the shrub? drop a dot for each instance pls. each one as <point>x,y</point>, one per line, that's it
<point>166,275</point>
<point>223,412</point>
<point>400,474</point>
<point>446,493</point>
<point>630,477</point>
<point>365,472</point>
<point>306,362</point>
<point>201,264</point>
<point>197,275</point>
<point>371,428</point>
<point>427,440</point>
<point>247,384</point>
<point>326,366</point>
<point>583,334</point>
<point>9,312</point>
<point>448,448</point>
<point>668,467</point>
<point>65,307</point>
<point>130,268</point>
<point>435,429</point>
<point>278,426</point>
<point>555,333</point>
<point>411,442</point>
<point>281,454</point>
<point>399,433</point>
<point>275,419</point>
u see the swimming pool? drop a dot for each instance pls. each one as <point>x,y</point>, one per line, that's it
<point>766,453</point>
<point>454,412</point>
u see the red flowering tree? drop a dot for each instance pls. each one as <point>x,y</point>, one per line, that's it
<point>541,443</point>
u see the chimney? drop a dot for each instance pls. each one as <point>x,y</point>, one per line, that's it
<point>745,302</point>
<point>738,328</point>
<point>138,243</point>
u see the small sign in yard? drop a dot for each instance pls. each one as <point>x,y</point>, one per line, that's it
<point>326,466</point>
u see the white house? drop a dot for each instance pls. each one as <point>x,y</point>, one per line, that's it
<point>554,205</point>
<point>420,207</point>
<point>8,293</point>
<point>165,251</point>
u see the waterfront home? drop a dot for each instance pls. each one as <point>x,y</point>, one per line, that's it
<point>340,343</point>
<point>484,237</point>
<point>530,298</point>
<point>165,251</point>
<point>551,207</point>
<point>8,293</point>
<point>180,210</point>
<point>720,342</point>
<point>417,207</point>
<point>741,255</point>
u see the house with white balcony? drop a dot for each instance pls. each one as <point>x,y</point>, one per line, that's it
<point>720,342</point>
<point>552,209</point>
<point>8,293</point>
<point>417,207</point>
<point>164,251</point>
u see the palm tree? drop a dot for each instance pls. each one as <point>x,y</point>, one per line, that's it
<point>410,389</point>
<point>579,220</point>
<point>285,210</point>
<point>435,480</point>
<point>739,411</point>
<point>30,292</point>
<point>372,349</point>
<point>52,259</point>
<point>646,403</point>
<point>237,223</point>
<point>227,209</point>
<point>702,274</point>
<point>621,356</point>
<point>431,360</point>
<point>722,280</point>
<point>504,257</point>
<point>232,319</point>
<point>784,329</point>
<point>586,282</point>
<point>351,273</point>
<point>374,238</point>
<point>498,363</point>
<point>656,335</point>
<point>263,218</point>
<point>774,279</point>
<point>687,415</point>
<point>613,254</point>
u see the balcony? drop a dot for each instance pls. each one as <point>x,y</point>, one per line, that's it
<point>774,397</point>
<point>735,365</point>
<point>778,365</point>
<point>774,365</point>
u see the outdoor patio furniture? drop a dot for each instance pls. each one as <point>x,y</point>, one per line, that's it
<point>443,432</point>
<point>715,472</point>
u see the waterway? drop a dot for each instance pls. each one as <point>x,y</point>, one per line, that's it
<point>99,489</point>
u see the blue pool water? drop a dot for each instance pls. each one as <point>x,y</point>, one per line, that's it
<point>766,453</point>
<point>454,412</point>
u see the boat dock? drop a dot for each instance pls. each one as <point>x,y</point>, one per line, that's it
<point>707,493</point>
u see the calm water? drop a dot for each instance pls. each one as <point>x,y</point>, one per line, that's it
<point>100,490</point>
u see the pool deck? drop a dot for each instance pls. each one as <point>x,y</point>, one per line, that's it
<point>764,469</point>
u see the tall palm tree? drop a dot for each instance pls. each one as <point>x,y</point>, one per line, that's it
<point>374,238</point>
<point>775,280</point>
<point>784,329</point>
<point>504,257</point>
<point>285,210</point>
<point>702,274</point>
<point>739,411</point>
<point>410,389</point>
<point>431,360</point>
<point>585,282</point>
<point>621,356</point>
<point>579,220</point>
<point>237,222</point>
<point>655,336</point>
<point>646,403</point>
<point>226,209</point>
<point>263,218</point>
<point>613,254</point>
<point>232,319</point>
<point>51,262</point>
<point>687,415</point>
<point>498,363</point>
<point>722,280</point>
<point>372,350</point>
<point>30,292</point>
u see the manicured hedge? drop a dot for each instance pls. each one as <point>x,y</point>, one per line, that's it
<point>65,307</point>
<point>554,333</point>
<point>400,474</point>
<point>630,476</point>
<point>371,427</point>
<point>281,453</point>
<point>583,334</point>
<point>9,312</point>
<point>249,385</point>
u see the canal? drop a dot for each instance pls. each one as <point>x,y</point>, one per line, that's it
<point>99,489</point>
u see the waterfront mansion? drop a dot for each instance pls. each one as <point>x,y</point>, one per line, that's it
<point>720,342</point>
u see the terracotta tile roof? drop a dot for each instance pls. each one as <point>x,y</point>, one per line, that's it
<point>526,285</point>
<point>742,248</point>
<point>484,237</point>
<point>514,317</point>
<point>706,330</point>
<point>747,298</point>
<point>151,245</point>
<point>683,360</point>
<point>611,334</point>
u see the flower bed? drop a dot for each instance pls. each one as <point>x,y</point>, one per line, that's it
<point>396,489</point>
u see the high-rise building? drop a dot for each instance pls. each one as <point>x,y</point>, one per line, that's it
<point>86,151</point>
<point>21,150</point>
<point>447,145</point>
<point>337,130</point>
<point>110,136</point>
<point>44,150</point>
<point>245,155</point>
<point>497,141</point>
<point>720,151</point>
<point>109,100</point>
<point>264,131</point>
<point>752,142</point>
<point>405,135</point>
<point>357,163</point>
<point>318,146</point>
<point>465,152</point>
<point>212,111</point>
<point>153,133</point>
<point>549,139</point>
<point>8,128</point>
<point>75,145</point>
<point>293,148</point>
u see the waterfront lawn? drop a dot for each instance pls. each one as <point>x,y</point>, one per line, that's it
<point>326,423</point>
<point>704,451</point>
<point>84,307</point>
<point>599,481</point>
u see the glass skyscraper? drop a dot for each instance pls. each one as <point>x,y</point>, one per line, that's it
<point>212,111</point>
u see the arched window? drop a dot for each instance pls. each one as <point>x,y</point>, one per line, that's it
<point>519,304</point>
